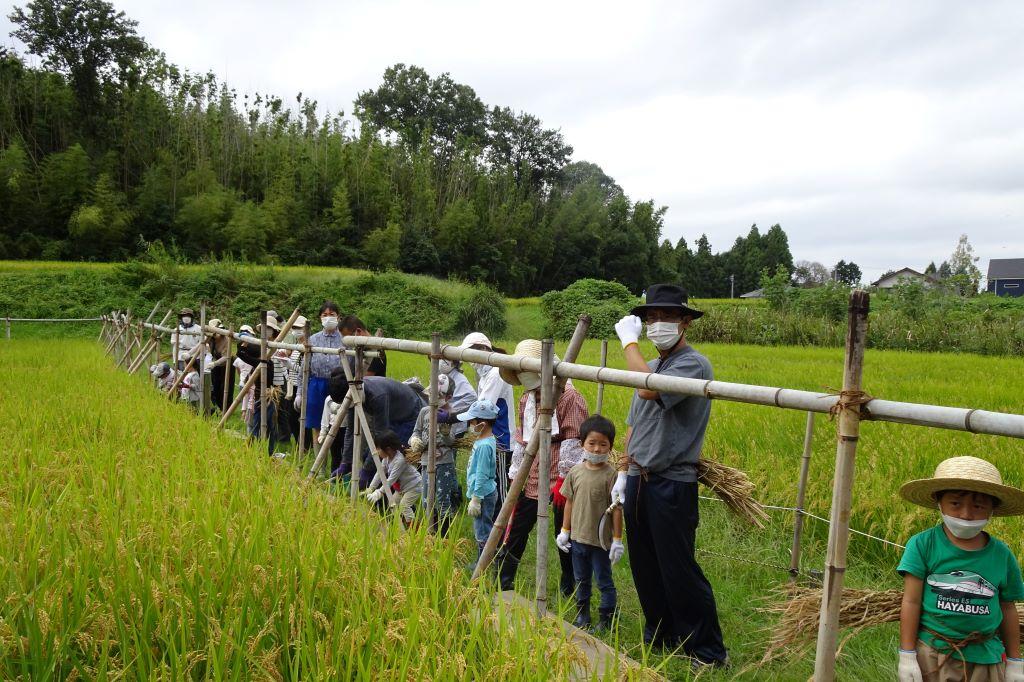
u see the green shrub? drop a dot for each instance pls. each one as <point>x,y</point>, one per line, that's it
<point>483,310</point>
<point>605,302</point>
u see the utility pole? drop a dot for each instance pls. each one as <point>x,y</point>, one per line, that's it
<point>732,286</point>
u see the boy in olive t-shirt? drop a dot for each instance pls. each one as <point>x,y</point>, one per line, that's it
<point>958,615</point>
<point>588,493</point>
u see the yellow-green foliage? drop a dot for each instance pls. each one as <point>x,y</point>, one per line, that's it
<point>135,542</point>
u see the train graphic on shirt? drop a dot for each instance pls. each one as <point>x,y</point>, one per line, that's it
<point>961,584</point>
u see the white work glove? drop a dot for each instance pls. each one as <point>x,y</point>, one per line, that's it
<point>375,496</point>
<point>474,507</point>
<point>619,489</point>
<point>298,401</point>
<point>562,541</point>
<point>416,443</point>
<point>909,670</point>
<point>628,329</point>
<point>1014,670</point>
<point>617,550</point>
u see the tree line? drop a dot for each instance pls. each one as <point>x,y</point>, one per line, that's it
<point>107,147</point>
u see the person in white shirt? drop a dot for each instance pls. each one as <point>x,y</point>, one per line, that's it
<point>183,344</point>
<point>490,386</point>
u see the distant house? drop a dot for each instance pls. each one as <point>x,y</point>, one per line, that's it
<point>756,293</point>
<point>1006,276</point>
<point>891,279</point>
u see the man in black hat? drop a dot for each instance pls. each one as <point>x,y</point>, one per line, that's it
<point>657,482</point>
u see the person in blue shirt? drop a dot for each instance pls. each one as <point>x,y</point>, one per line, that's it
<point>481,472</point>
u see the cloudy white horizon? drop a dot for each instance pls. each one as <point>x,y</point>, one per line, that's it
<point>876,132</point>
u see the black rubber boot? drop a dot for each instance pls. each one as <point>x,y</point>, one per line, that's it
<point>582,616</point>
<point>605,619</point>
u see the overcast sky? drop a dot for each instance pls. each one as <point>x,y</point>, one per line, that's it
<point>877,132</point>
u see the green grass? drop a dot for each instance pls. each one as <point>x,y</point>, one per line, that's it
<point>135,543</point>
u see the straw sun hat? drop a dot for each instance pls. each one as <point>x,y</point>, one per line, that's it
<point>966,473</point>
<point>530,348</point>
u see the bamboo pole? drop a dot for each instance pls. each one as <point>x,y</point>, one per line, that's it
<point>264,361</point>
<point>153,341</point>
<point>600,384</point>
<point>173,391</point>
<point>203,401</point>
<point>8,327</point>
<point>519,482</point>
<point>839,523</point>
<point>254,375</point>
<point>544,412</point>
<point>801,491</point>
<point>937,416</point>
<point>176,351</point>
<point>434,402</point>
<point>360,415</point>
<point>228,380</point>
<point>304,390</point>
<point>113,342</point>
<point>128,348</point>
<point>103,328</point>
<point>356,391</point>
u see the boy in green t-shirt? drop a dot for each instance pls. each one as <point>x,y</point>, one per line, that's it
<point>588,493</point>
<point>958,616</point>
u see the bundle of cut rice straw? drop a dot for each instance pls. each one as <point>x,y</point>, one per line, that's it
<point>799,608</point>
<point>734,488</point>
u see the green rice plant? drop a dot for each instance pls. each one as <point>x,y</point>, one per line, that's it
<point>137,543</point>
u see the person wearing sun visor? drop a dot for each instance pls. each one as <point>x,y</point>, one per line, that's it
<point>657,481</point>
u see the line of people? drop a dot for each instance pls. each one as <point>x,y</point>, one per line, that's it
<point>652,494</point>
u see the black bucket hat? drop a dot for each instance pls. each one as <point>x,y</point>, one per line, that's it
<point>663,296</point>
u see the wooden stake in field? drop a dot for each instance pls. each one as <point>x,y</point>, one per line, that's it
<point>153,341</point>
<point>332,433</point>
<point>434,401</point>
<point>263,377</point>
<point>801,491</point>
<point>600,384</point>
<point>304,389</point>
<point>515,489</point>
<point>848,409</point>
<point>544,412</point>
<point>203,399</point>
<point>355,390</point>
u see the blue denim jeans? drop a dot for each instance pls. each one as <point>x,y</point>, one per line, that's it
<point>483,523</point>
<point>588,561</point>
<point>254,425</point>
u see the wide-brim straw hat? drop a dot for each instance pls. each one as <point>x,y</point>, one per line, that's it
<point>215,323</point>
<point>966,473</point>
<point>530,348</point>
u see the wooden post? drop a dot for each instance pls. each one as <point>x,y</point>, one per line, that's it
<point>113,341</point>
<point>801,491</point>
<point>255,375</point>
<point>600,384</point>
<point>263,377</point>
<point>359,414</point>
<point>153,342</point>
<point>8,327</point>
<point>544,412</point>
<point>356,390</point>
<point>103,327</point>
<point>434,400</point>
<point>177,342</point>
<point>846,450</point>
<point>306,360</point>
<point>515,488</point>
<point>228,381</point>
<point>203,402</point>
<point>172,393</point>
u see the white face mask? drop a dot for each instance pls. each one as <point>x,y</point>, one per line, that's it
<point>186,321</point>
<point>595,458</point>
<point>445,366</point>
<point>330,322</point>
<point>529,380</point>
<point>478,428</point>
<point>664,335</point>
<point>480,369</point>
<point>965,530</point>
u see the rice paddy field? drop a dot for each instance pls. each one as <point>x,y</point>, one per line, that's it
<point>137,543</point>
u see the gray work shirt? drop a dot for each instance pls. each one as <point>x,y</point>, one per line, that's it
<point>445,441</point>
<point>388,405</point>
<point>668,433</point>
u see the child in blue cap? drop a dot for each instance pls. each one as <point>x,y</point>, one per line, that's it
<point>481,473</point>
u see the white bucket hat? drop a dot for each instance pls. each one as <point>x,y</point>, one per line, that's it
<point>966,473</point>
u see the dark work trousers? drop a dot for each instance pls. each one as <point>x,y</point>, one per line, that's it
<point>678,603</point>
<point>217,387</point>
<point>524,518</point>
<point>285,408</point>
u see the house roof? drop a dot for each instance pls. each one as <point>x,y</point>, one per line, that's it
<point>905,271</point>
<point>1006,268</point>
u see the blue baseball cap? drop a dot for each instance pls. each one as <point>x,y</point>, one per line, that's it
<point>481,409</point>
